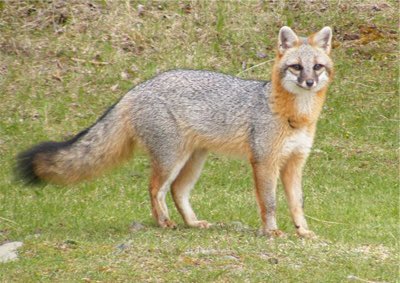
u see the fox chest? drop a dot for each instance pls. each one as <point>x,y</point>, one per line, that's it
<point>298,142</point>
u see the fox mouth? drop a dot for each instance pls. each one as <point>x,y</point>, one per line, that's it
<point>306,87</point>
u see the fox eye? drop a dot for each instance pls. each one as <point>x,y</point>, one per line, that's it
<point>296,67</point>
<point>317,67</point>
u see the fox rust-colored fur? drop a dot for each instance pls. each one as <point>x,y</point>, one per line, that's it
<point>181,115</point>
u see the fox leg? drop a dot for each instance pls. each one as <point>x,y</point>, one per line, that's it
<point>160,182</point>
<point>183,185</point>
<point>265,178</point>
<point>291,175</point>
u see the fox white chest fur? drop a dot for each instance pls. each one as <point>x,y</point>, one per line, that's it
<point>299,142</point>
<point>305,102</point>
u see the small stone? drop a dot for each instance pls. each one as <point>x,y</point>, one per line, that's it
<point>123,247</point>
<point>67,245</point>
<point>239,226</point>
<point>124,75</point>
<point>261,55</point>
<point>230,257</point>
<point>376,8</point>
<point>8,251</point>
<point>260,233</point>
<point>136,226</point>
<point>273,260</point>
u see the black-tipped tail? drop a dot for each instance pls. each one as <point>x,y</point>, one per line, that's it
<point>105,144</point>
<point>25,166</point>
<point>26,169</point>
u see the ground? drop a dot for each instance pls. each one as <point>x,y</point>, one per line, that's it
<point>62,63</point>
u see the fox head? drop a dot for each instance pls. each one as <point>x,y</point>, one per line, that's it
<point>303,65</point>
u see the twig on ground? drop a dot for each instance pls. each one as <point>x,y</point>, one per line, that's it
<point>89,61</point>
<point>255,66</point>
<point>353,277</point>
<point>8,220</point>
<point>324,221</point>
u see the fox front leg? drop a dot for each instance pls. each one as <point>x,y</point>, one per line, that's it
<point>265,178</point>
<point>291,175</point>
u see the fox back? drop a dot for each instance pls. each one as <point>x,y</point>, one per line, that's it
<point>202,109</point>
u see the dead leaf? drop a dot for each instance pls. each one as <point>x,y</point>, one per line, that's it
<point>187,9</point>
<point>114,87</point>
<point>351,36</point>
<point>124,75</point>
<point>335,44</point>
<point>57,76</point>
<point>369,33</point>
<point>140,10</point>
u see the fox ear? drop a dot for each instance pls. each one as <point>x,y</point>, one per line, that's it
<point>323,39</point>
<point>286,39</point>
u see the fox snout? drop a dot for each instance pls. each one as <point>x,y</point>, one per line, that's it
<point>305,79</point>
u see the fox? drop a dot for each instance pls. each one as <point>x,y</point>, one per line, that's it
<point>181,115</point>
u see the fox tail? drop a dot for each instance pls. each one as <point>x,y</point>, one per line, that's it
<point>105,144</point>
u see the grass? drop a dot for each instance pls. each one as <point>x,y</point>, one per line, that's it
<point>62,64</point>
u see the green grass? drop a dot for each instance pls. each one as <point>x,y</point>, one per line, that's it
<point>52,85</point>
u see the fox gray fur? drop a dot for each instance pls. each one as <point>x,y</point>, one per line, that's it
<point>180,115</point>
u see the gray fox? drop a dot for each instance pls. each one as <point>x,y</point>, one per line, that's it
<point>180,115</point>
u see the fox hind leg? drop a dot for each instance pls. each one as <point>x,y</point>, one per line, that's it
<point>183,185</point>
<point>161,179</point>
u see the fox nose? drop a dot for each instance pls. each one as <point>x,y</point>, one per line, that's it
<point>309,83</point>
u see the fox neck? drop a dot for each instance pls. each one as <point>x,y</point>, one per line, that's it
<point>298,110</point>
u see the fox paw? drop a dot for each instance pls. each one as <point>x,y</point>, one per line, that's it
<point>275,233</point>
<point>304,233</point>
<point>167,224</point>
<point>202,224</point>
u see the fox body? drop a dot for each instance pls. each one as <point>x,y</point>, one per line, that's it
<point>180,115</point>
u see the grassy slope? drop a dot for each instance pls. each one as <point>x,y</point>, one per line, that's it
<point>52,85</point>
